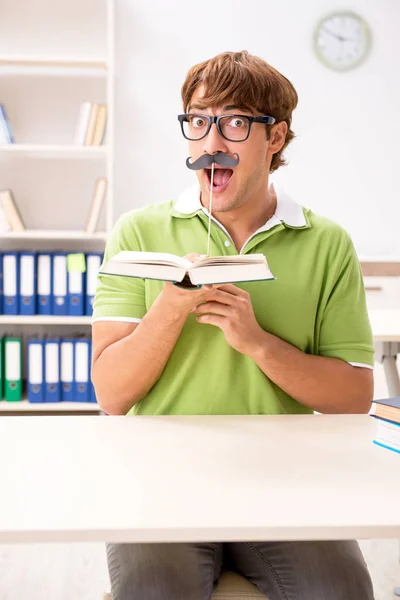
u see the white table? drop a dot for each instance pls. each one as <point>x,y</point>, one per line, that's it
<point>386,331</point>
<point>176,479</point>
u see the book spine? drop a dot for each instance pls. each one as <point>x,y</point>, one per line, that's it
<point>100,127</point>
<point>96,205</point>
<point>91,125</point>
<point>83,122</point>
<point>5,125</point>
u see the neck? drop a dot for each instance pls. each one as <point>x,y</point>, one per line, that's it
<point>243,221</point>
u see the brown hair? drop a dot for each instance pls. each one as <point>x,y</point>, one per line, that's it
<point>248,82</point>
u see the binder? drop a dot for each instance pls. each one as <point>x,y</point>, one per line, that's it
<point>1,284</point>
<point>67,369</point>
<point>93,263</point>
<point>52,370</point>
<point>35,379</point>
<point>1,369</point>
<point>44,298</point>
<point>13,369</point>
<point>81,360</point>
<point>92,392</point>
<point>59,278</point>
<point>76,293</point>
<point>27,283</point>
<point>10,283</point>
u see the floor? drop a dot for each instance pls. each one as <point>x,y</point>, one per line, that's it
<point>79,572</point>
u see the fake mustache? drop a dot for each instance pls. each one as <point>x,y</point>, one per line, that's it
<point>205,160</point>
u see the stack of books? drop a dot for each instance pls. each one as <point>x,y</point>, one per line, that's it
<point>92,123</point>
<point>57,370</point>
<point>6,136</point>
<point>48,283</point>
<point>387,414</point>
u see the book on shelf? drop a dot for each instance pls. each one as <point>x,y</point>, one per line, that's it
<point>48,283</point>
<point>100,125</point>
<point>6,135</point>
<point>96,205</point>
<point>12,215</point>
<point>205,271</point>
<point>387,415</point>
<point>91,125</point>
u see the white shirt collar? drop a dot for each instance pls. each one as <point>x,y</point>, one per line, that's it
<point>287,210</point>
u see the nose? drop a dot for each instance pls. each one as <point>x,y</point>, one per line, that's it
<point>214,142</point>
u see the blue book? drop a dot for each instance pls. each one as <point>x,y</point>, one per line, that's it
<point>44,284</point>
<point>387,434</point>
<point>1,284</point>
<point>67,369</point>
<point>10,283</point>
<point>27,283</point>
<point>60,283</point>
<point>76,294</point>
<point>52,370</point>
<point>92,392</point>
<point>93,263</point>
<point>35,379</point>
<point>81,371</point>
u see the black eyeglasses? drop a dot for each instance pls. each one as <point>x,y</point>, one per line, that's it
<point>234,128</point>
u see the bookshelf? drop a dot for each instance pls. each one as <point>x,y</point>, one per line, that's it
<point>51,61</point>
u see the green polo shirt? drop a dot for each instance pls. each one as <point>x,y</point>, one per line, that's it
<point>317,304</point>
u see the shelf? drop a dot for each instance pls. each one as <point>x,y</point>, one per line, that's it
<point>53,234</point>
<point>25,406</point>
<point>62,62</point>
<point>54,151</point>
<point>43,320</point>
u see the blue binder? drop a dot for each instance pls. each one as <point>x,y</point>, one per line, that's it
<point>44,283</point>
<point>10,283</point>
<point>67,369</point>
<point>81,371</point>
<point>1,284</point>
<point>92,392</point>
<point>52,369</point>
<point>27,283</point>
<point>60,282</point>
<point>35,379</point>
<point>93,263</point>
<point>76,295</point>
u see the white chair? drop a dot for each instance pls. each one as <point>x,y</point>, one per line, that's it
<point>231,587</point>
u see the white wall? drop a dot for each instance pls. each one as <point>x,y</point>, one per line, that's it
<point>344,163</point>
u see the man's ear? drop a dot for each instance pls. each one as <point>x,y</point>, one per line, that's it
<point>277,137</point>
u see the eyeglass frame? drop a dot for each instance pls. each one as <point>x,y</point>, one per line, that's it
<point>265,119</point>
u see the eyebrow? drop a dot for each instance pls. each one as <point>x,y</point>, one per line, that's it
<point>228,107</point>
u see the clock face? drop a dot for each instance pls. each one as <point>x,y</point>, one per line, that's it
<point>342,40</point>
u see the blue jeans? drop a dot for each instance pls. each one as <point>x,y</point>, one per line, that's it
<point>333,570</point>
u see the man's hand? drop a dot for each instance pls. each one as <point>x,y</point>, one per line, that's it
<point>183,300</point>
<point>230,309</point>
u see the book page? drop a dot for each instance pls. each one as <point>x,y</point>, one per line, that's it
<point>238,259</point>
<point>159,258</point>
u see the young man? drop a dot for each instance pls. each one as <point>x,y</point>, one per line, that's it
<point>294,345</point>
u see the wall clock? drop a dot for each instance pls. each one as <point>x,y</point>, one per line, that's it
<point>342,40</point>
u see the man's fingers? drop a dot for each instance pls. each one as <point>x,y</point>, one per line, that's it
<point>216,308</point>
<point>229,288</point>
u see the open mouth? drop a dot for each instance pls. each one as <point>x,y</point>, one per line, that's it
<point>221,180</point>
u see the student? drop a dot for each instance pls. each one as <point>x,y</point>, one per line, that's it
<point>299,344</point>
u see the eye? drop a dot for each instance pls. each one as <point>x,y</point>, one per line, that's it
<point>198,122</point>
<point>237,122</point>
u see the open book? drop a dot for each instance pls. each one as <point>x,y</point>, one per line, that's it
<point>168,267</point>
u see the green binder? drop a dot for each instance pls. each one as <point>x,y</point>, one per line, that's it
<point>13,369</point>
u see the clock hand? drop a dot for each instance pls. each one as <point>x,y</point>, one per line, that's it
<point>337,36</point>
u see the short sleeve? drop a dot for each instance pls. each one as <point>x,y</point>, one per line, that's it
<point>120,298</point>
<point>345,331</point>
